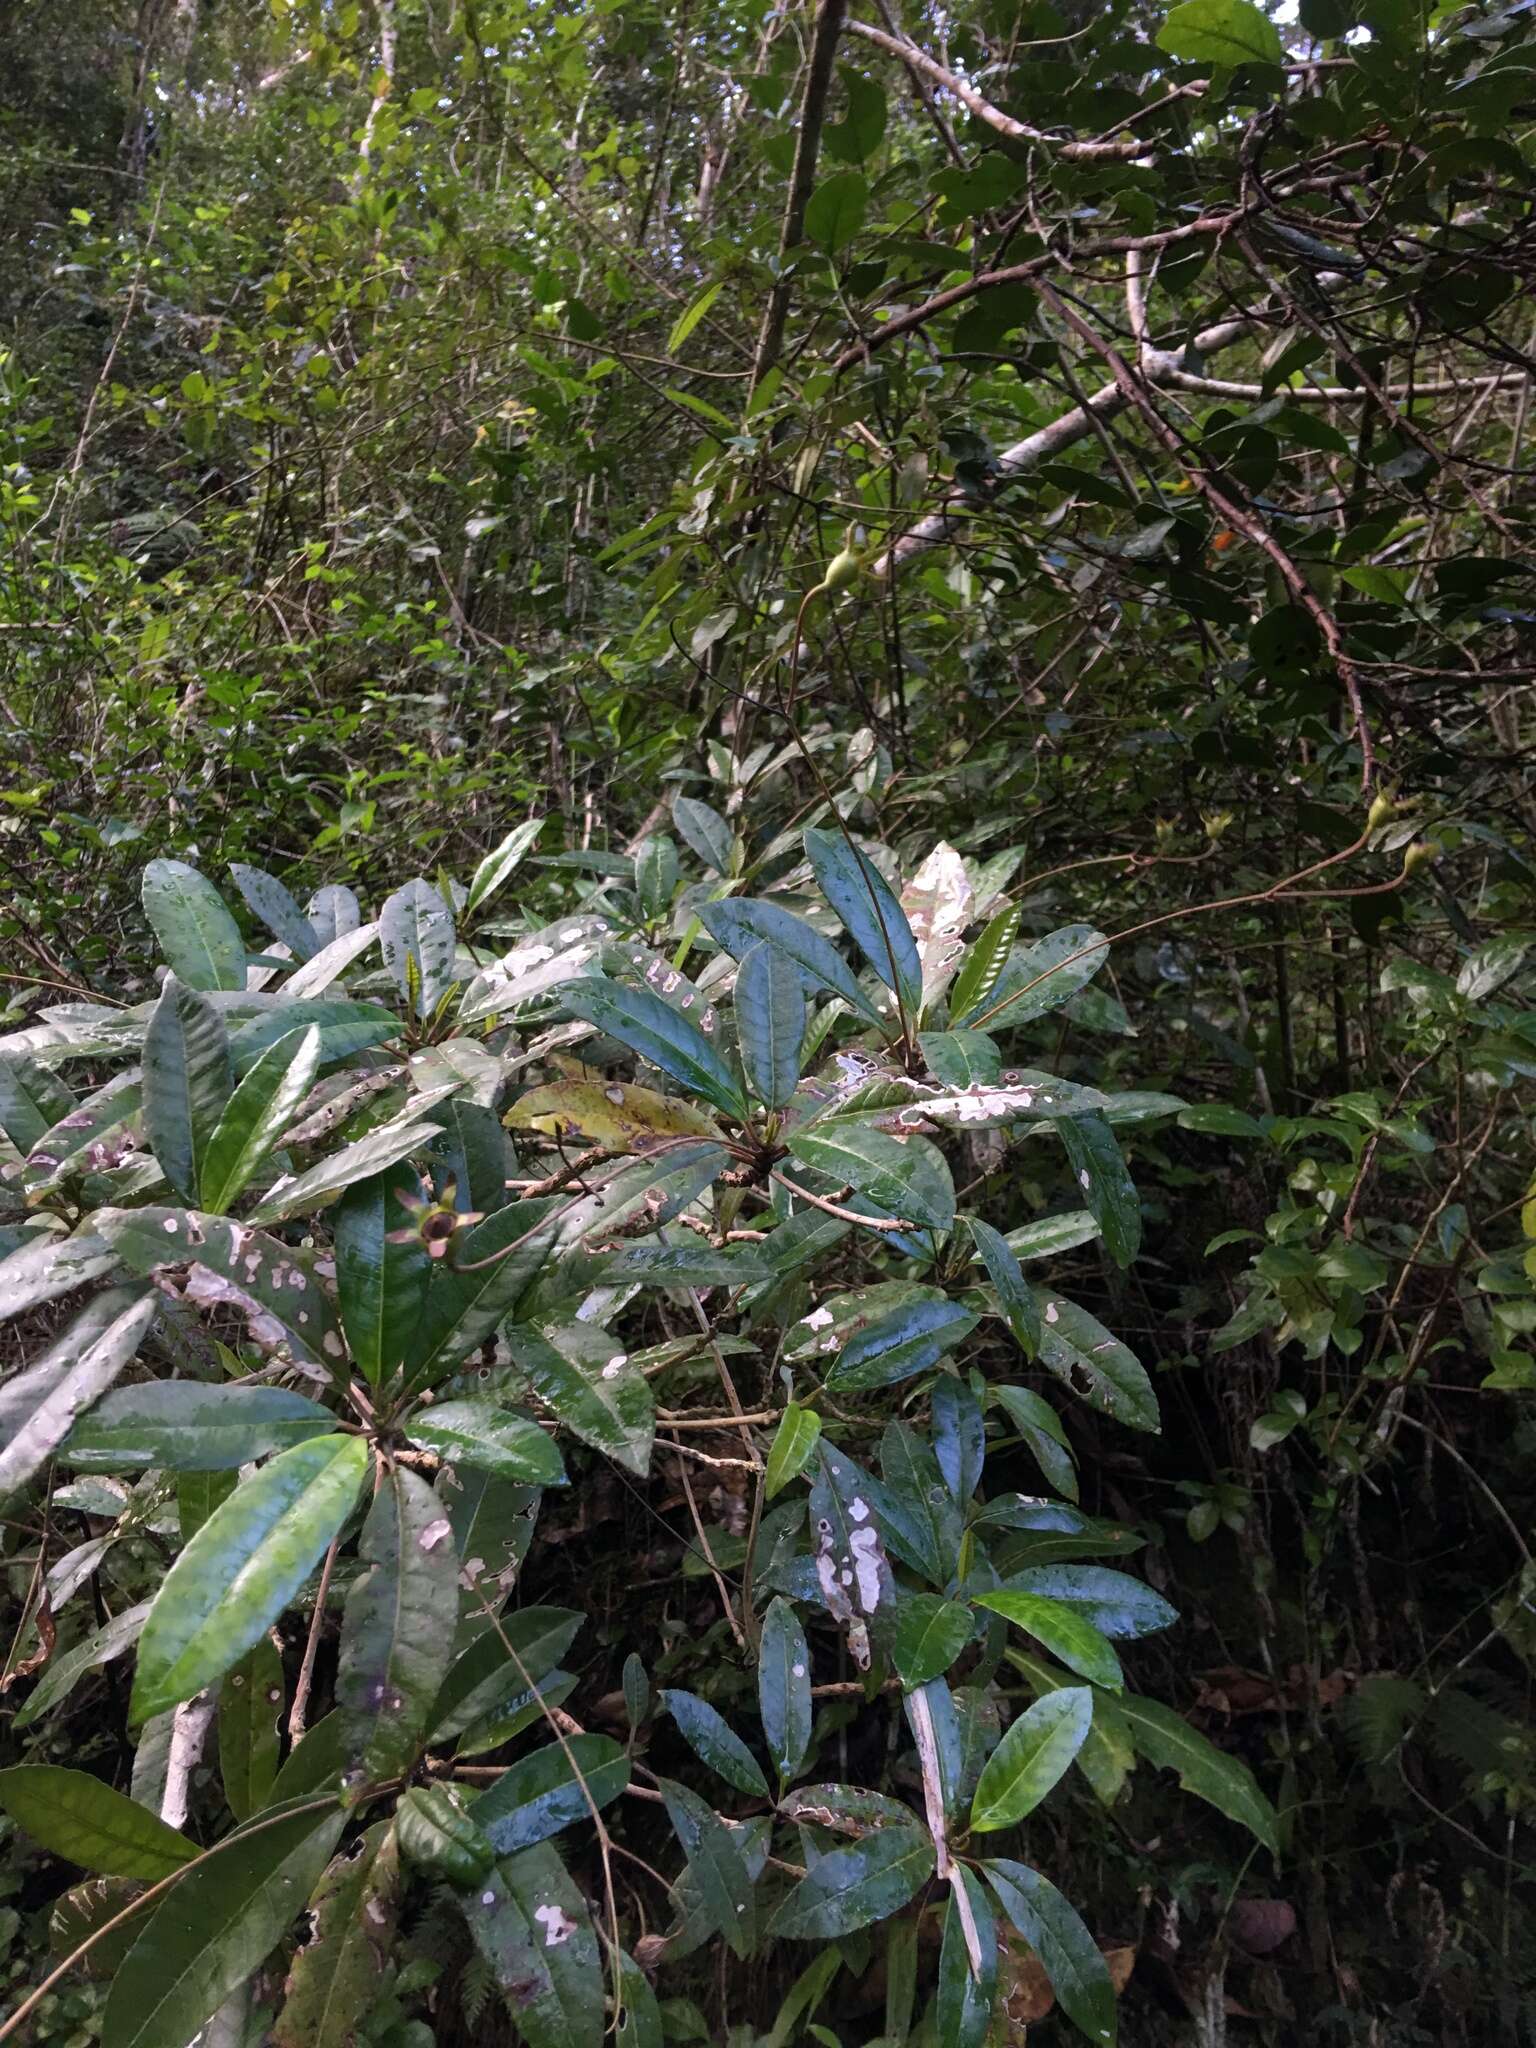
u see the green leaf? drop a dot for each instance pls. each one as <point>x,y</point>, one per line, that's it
<point>860,132</point>
<point>739,926</point>
<point>660,1034</point>
<point>965,2001</point>
<point>930,1634</point>
<point>716,1865</point>
<point>242,1568</point>
<point>197,934</point>
<point>75,1371</point>
<point>191,1426</point>
<point>216,1927</point>
<point>1040,1426</point>
<point>381,1148</point>
<point>530,1924</point>
<point>380,1285</point>
<point>610,1408</point>
<point>1097,1162</point>
<point>905,1177</point>
<point>770,1024</point>
<point>1031,1757</point>
<point>1166,1739</point>
<point>334,1977</point>
<point>684,325</point>
<point>397,1632</point>
<point>835,211</point>
<point>983,964</point>
<point>640,2024</point>
<point>416,936</point>
<point>251,1701</point>
<point>709,1735</point>
<point>438,1836</point>
<point>495,1263</point>
<point>854,1887</point>
<point>500,863</point>
<point>1063,1631</point>
<point>784,1688</point>
<point>1050,1235</point>
<point>541,1794</point>
<point>897,1346</point>
<point>266,896</point>
<point>73,1815</point>
<point>345,1026</point>
<point>1041,977</point>
<point>878,925</point>
<point>500,1665</point>
<point>1112,1602</point>
<point>50,1265</point>
<point>187,1082</point>
<point>1083,1355</point>
<point>1015,1297</point>
<point>1068,1953</point>
<point>114,1639</point>
<point>1227,32</point>
<point>490,1438</point>
<point>256,1115</point>
<point>793,1442</point>
<point>32,1100</point>
<point>705,831</point>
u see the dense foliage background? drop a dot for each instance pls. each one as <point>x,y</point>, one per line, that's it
<point>1080,455</point>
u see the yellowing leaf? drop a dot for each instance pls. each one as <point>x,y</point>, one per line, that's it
<point>617,1114</point>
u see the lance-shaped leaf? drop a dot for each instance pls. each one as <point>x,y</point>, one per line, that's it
<point>272,902</point>
<point>32,1100</point>
<point>325,968</point>
<point>242,1568</point>
<point>334,911</point>
<point>500,1665</point>
<point>73,1815</point>
<point>417,936</point>
<point>784,1688</point>
<point>860,895</point>
<point>656,874</point>
<point>75,1371</point>
<point>907,1177</point>
<point>191,920</point>
<point>770,1024</point>
<point>187,1082</point>
<point>491,1439</point>
<point>1049,1235</point>
<point>854,1887</point>
<point>338,1974</point>
<point>492,1266</point>
<point>894,1347</point>
<point>438,1836</point>
<point>660,1034</point>
<point>962,1059</point>
<point>1039,1425</point>
<point>191,1426</point>
<point>542,961</point>
<point>106,1120</point>
<point>1031,1757</point>
<point>49,1265</point>
<point>1015,1297</point>
<point>530,1925</point>
<point>1109,1191</point>
<point>852,1569</point>
<point>716,1865</point>
<point>705,831</point>
<point>346,1027</point>
<point>251,1701</point>
<point>983,965</point>
<point>382,1273</point>
<point>1112,1602</point>
<point>614,1114</point>
<point>1084,1356</point>
<point>938,903</point>
<point>275,1286</point>
<point>713,1739</point>
<point>929,1529</point>
<point>739,926</point>
<point>256,1115</point>
<point>67,1667</point>
<point>793,1442</point>
<point>1068,1953</point>
<point>609,1406</point>
<point>217,1926</point>
<point>967,1992</point>
<point>500,863</point>
<point>930,1635</point>
<point>1166,1739</point>
<point>410,1131</point>
<point>398,1629</point>
<point>541,1794</point>
<point>1041,977</point>
<point>1062,1630</point>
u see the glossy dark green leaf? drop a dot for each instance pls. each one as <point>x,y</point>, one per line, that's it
<point>216,1927</point>
<point>267,897</point>
<point>784,1688</point>
<point>905,1177</point>
<point>1092,1361</point>
<point>770,1024</point>
<point>187,1081</point>
<point>381,1285</point>
<point>916,1509</point>
<point>32,1100</point>
<point>251,1702</point>
<point>1062,1630</point>
<point>961,1059</point>
<point>711,1737</point>
<point>191,920</point>
<point>640,2022</point>
<point>517,1712</point>
<point>854,1887</point>
<point>242,1568</point>
<point>982,965</point>
<point>191,1426</point>
<point>660,1034</point>
<point>1031,1757</point>
<point>335,1976</point>
<point>1100,1171</point>
<point>898,1346</point>
<point>930,1634</point>
<point>966,1998</point>
<point>541,1794</point>
<point>74,1371</point>
<point>716,1864</point>
<point>793,1442</point>
<point>1040,1426</point>
<point>875,921</point>
<point>256,1115</point>
<point>416,936</point>
<point>500,1664</point>
<point>705,830</point>
<point>530,1924</point>
<point>610,1407</point>
<point>738,926</point>
<point>345,1026</point>
<point>494,1264</point>
<point>76,1816</point>
<point>1113,1602</point>
<point>1166,1739</point>
<point>959,1435</point>
<point>835,211</point>
<point>1015,1297</point>
<point>397,1631</point>
<point>489,1437</point>
<point>1043,975</point>
<point>440,1836</point>
<point>197,1495</point>
<point>1068,1953</point>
